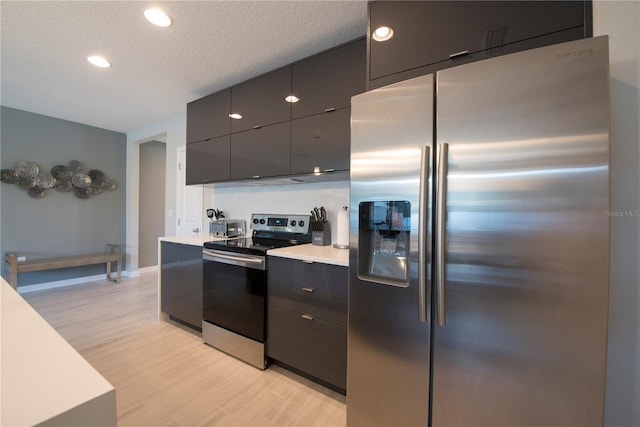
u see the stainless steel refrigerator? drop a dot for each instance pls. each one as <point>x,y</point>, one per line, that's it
<point>479,236</point>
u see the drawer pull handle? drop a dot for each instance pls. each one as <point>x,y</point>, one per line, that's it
<point>306,261</point>
<point>257,126</point>
<point>307,289</point>
<point>330,110</point>
<point>459,54</point>
<point>307,316</point>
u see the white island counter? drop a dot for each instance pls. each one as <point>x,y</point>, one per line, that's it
<point>44,380</point>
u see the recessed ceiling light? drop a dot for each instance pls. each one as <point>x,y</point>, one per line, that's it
<point>382,34</point>
<point>157,17</point>
<point>235,116</point>
<point>292,99</point>
<point>99,61</point>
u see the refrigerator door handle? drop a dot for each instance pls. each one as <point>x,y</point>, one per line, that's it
<point>441,203</point>
<point>422,234</point>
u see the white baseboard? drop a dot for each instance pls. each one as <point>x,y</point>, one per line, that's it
<point>84,279</point>
<point>61,283</point>
<point>150,269</point>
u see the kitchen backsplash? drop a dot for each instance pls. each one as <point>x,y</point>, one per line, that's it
<point>240,202</point>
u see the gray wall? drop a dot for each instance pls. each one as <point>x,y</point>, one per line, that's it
<point>60,223</point>
<point>152,177</point>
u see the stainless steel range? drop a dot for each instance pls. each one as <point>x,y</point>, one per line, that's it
<point>235,285</point>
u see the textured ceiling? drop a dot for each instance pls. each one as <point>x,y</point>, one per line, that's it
<point>155,71</point>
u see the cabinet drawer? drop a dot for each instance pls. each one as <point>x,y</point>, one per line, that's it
<point>312,346</point>
<point>321,305</point>
<point>322,277</point>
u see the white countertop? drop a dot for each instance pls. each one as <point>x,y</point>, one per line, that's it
<point>43,378</point>
<point>195,240</point>
<point>324,254</point>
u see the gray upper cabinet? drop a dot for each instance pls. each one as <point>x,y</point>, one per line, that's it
<point>208,117</point>
<point>261,101</point>
<point>321,143</point>
<point>273,137</point>
<point>262,152</point>
<point>327,81</point>
<point>320,129</point>
<point>208,160</point>
<point>432,35</point>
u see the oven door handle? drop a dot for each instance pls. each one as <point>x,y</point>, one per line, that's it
<point>257,263</point>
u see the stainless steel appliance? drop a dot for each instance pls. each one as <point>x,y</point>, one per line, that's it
<point>235,285</point>
<point>479,244</point>
<point>226,228</point>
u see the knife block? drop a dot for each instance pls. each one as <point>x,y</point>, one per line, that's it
<point>320,233</point>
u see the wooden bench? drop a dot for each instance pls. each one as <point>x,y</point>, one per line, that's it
<point>13,266</point>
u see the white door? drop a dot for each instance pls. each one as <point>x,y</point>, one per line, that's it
<point>188,201</point>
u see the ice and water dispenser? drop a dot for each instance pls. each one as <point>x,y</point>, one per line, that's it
<point>384,235</point>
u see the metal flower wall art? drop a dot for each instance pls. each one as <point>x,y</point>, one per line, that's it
<point>71,178</point>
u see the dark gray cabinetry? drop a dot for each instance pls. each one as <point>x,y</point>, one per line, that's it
<point>208,117</point>
<point>307,318</point>
<point>181,283</point>
<point>321,141</point>
<point>276,138</point>
<point>208,161</point>
<point>262,152</point>
<point>432,35</point>
<point>329,80</point>
<point>171,276</point>
<point>320,129</point>
<point>261,101</point>
<point>191,298</point>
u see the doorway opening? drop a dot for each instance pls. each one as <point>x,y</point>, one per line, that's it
<point>151,199</point>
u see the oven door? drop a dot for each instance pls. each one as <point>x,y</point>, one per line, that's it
<point>234,292</point>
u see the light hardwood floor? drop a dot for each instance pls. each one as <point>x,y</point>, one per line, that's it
<point>164,375</point>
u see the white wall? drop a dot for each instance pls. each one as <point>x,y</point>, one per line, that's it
<point>240,202</point>
<point>621,21</point>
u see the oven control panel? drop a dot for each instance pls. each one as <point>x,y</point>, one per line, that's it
<point>280,222</point>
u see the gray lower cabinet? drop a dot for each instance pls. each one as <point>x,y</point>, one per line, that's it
<point>307,319</point>
<point>181,283</point>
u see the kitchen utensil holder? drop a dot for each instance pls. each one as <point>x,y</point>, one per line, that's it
<point>320,233</point>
